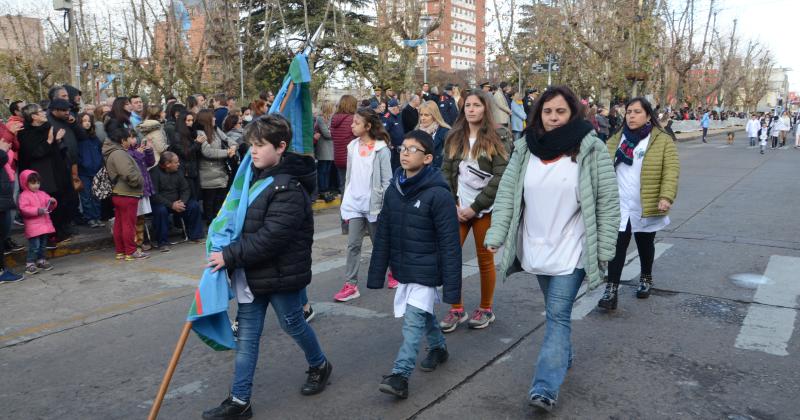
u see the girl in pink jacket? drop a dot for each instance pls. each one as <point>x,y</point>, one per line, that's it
<point>35,206</point>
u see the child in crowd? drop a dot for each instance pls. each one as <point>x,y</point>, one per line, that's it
<point>142,153</point>
<point>762,136</point>
<point>90,160</point>
<point>418,235</point>
<point>369,172</point>
<point>35,206</point>
<point>270,258</point>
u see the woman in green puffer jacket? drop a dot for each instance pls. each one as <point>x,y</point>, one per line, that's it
<point>647,166</point>
<point>556,212</point>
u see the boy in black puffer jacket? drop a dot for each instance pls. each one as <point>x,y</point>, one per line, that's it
<point>418,237</point>
<point>274,250</point>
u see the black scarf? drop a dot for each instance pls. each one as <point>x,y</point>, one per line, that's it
<point>558,142</point>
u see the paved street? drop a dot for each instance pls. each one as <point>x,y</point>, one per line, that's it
<point>91,339</point>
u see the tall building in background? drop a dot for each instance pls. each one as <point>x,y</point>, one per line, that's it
<point>460,41</point>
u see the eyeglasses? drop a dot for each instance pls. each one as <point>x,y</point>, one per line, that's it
<point>410,150</point>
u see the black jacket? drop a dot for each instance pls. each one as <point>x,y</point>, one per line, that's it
<point>169,187</point>
<point>6,186</point>
<point>427,96</point>
<point>48,159</point>
<point>70,139</point>
<point>410,117</point>
<point>275,244</point>
<point>418,235</point>
<point>394,127</point>
<point>448,109</point>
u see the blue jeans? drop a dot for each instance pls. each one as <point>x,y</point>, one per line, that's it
<point>89,203</point>
<point>36,248</point>
<point>415,323</point>
<point>324,175</point>
<point>190,216</point>
<point>289,311</point>
<point>556,352</point>
<point>303,297</point>
<point>5,227</point>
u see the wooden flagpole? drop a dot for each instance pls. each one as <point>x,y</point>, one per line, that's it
<point>173,363</point>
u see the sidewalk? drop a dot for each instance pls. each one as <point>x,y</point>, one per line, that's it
<point>88,239</point>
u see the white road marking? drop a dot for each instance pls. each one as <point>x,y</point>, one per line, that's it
<point>586,302</point>
<point>769,323</point>
<point>724,146</point>
<point>335,309</point>
<point>188,389</point>
<point>633,269</point>
<point>327,234</point>
<point>327,265</point>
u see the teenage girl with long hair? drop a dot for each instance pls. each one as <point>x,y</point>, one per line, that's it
<point>474,160</point>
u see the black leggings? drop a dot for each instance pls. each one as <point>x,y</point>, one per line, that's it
<point>645,242</point>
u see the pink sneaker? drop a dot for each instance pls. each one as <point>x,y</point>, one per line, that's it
<point>392,282</point>
<point>349,292</point>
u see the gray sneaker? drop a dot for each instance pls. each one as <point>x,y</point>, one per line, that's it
<point>481,318</point>
<point>44,265</point>
<point>451,321</point>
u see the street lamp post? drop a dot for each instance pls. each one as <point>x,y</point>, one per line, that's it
<point>39,79</point>
<point>549,69</point>
<point>241,71</point>
<point>424,22</point>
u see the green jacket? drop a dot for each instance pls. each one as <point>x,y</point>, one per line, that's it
<point>496,167</point>
<point>660,171</point>
<point>599,201</point>
<point>122,171</point>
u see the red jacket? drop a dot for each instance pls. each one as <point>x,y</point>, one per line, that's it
<point>342,135</point>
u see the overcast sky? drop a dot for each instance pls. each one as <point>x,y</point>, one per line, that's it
<point>770,21</point>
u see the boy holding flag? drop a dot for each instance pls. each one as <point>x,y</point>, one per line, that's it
<point>269,262</point>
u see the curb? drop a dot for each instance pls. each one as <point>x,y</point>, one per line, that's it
<point>86,243</point>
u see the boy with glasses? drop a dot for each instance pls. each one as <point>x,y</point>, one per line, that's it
<point>417,235</point>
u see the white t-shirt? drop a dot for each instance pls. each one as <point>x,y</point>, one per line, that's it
<point>466,193</point>
<point>358,190</point>
<point>416,295</point>
<point>629,178</point>
<point>553,232</point>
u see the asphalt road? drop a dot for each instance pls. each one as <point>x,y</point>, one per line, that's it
<point>91,339</point>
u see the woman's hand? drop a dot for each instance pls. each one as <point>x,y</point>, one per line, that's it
<point>465,214</point>
<point>492,249</point>
<point>201,137</point>
<point>216,261</point>
<point>664,205</point>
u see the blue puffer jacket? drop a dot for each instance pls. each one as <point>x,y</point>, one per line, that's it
<point>438,146</point>
<point>418,235</point>
<point>90,156</point>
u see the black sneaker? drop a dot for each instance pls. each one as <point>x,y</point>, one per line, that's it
<point>542,402</point>
<point>13,246</point>
<point>317,379</point>
<point>394,384</point>
<point>229,410</point>
<point>309,315</point>
<point>435,357</point>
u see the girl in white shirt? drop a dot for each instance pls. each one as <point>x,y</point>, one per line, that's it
<point>369,172</point>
